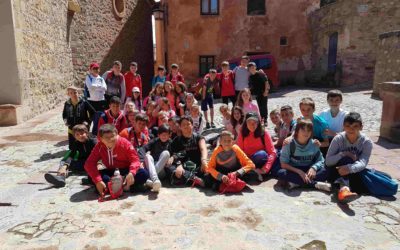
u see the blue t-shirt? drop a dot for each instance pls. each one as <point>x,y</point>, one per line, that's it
<point>319,126</point>
<point>157,79</point>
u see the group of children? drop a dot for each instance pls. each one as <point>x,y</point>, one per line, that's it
<point>161,137</point>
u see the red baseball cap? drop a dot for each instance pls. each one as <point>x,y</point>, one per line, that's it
<point>94,65</point>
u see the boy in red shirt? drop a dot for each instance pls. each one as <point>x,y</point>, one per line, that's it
<point>227,80</point>
<point>114,115</point>
<point>114,152</point>
<point>132,79</point>
<point>175,76</point>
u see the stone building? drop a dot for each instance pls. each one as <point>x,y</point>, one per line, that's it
<point>345,38</point>
<point>48,45</point>
<point>200,34</point>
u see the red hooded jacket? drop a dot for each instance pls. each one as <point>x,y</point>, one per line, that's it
<point>123,155</point>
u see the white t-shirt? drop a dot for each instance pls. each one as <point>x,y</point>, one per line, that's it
<point>96,86</point>
<point>334,123</point>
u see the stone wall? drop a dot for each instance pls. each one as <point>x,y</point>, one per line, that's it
<point>43,54</point>
<point>387,68</point>
<point>233,33</point>
<point>99,34</point>
<point>359,23</point>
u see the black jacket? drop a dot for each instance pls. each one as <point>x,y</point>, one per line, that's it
<point>73,115</point>
<point>156,147</point>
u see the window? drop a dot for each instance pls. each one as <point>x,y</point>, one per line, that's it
<point>206,63</point>
<point>255,7</point>
<point>209,7</point>
<point>263,63</point>
<point>326,2</point>
<point>283,41</point>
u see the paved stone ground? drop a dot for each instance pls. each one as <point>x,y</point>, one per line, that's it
<point>263,217</point>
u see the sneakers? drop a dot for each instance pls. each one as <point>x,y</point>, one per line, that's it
<point>346,196</point>
<point>156,186</point>
<point>323,186</point>
<point>56,180</point>
<point>149,184</point>
<point>208,125</point>
<point>213,125</point>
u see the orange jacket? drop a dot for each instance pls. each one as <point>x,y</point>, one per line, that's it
<point>245,162</point>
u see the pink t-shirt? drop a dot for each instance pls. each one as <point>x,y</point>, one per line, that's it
<point>251,107</point>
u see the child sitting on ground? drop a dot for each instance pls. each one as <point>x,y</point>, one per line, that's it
<point>245,102</point>
<point>156,155</point>
<point>227,158</point>
<point>347,158</point>
<point>334,116</point>
<point>226,117</point>
<point>287,126</point>
<point>198,121</point>
<point>307,108</point>
<point>75,158</point>
<point>174,127</point>
<point>137,134</point>
<point>275,117</point>
<point>114,152</point>
<point>237,120</point>
<point>301,160</point>
<point>114,115</point>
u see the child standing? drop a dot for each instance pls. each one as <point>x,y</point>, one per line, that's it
<point>207,100</point>
<point>175,76</point>
<point>132,79</point>
<point>302,162</point>
<point>160,77</point>
<point>76,111</point>
<point>115,83</point>
<point>228,158</point>
<point>156,156</point>
<point>245,102</point>
<point>334,116</point>
<point>259,87</point>
<point>347,158</point>
<point>227,79</point>
<point>75,158</point>
<point>198,122</point>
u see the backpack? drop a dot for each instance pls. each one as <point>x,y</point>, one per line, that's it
<point>234,185</point>
<point>379,183</point>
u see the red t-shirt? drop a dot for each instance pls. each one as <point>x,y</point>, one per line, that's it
<point>227,83</point>
<point>175,79</point>
<point>132,81</point>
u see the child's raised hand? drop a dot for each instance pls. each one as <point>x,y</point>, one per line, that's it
<point>225,179</point>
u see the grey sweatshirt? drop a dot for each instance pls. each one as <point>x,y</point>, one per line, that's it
<point>361,148</point>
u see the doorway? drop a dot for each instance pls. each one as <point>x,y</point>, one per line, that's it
<point>332,54</point>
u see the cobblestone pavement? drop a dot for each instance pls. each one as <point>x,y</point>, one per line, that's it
<point>263,217</point>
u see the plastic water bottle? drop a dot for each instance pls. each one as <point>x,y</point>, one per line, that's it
<point>116,182</point>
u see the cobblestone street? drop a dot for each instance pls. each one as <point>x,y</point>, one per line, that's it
<point>35,215</point>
